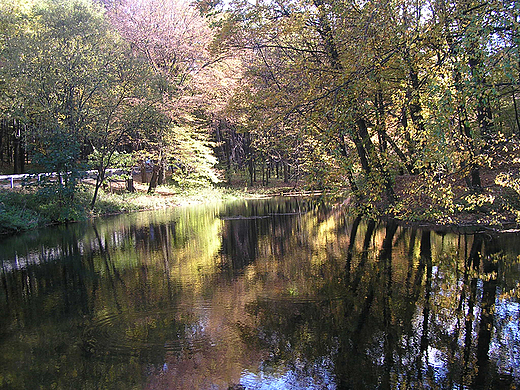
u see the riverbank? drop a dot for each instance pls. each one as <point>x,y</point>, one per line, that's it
<point>447,203</point>
<point>26,209</point>
<point>442,204</point>
<point>23,209</point>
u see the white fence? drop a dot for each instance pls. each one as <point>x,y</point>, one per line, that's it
<point>30,178</point>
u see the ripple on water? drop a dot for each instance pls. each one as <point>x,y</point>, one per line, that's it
<point>297,299</point>
<point>152,333</point>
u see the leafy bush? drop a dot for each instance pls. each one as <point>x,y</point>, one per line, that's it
<point>14,214</point>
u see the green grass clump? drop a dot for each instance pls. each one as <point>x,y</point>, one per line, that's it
<point>17,212</point>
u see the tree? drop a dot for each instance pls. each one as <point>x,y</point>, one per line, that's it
<point>82,89</point>
<point>303,77</point>
<point>386,88</point>
<point>174,39</point>
<point>13,131</point>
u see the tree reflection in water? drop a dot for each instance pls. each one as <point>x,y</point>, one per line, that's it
<point>258,294</point>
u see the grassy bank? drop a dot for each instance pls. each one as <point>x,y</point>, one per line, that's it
<point>25,209</point>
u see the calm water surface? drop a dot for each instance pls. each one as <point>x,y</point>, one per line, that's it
<point>278,294</point>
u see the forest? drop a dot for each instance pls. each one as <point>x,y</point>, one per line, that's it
<point>403,108</point>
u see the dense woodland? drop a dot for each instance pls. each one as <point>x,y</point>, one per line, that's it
<point>406,106</point>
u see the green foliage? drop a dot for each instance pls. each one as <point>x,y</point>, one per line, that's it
<point>25,210</point>
<point>390,88</point>
<point>118,160</point>
<point>59,203</point>
<point>59,153</point>
<point>77,86</point>
<point>14,214</point>
<point>190,155</point>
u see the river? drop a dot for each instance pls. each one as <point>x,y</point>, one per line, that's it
<point>286,293</point>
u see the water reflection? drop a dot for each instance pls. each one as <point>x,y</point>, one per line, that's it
<point>285,294</point>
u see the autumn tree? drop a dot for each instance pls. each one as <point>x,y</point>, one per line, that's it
<point>308,74</point>
<point>174,39</point>
<point>382,88</point>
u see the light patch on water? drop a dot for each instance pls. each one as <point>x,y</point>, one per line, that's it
<point>321,377</point>
<point>505,345</point>
<point>438,362</point>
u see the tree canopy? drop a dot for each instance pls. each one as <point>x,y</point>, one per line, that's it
<point>364,96</point>
<point>81,79</point>
<point>370,91</point>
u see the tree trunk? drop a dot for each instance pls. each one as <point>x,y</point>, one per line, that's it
<point>415,107</point>
<point>326,33</point>
<point>130,183</point>
<point>162,172</point>
<point>516,114</point>
<point>99,180</point>
<point>408,165</point>
<point>18,150</point>
<point>380,120</point>
<point>251,170</point>
<point>369,154</point>
<point>142,167</point>
<point>484,112</point>
<point>154,178</point>
<point>360,148</point>
<point>350,177</point>
<point>3,133</point>
<point>473,179</point>
<point>16,155</point>
<point>263,172</point>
